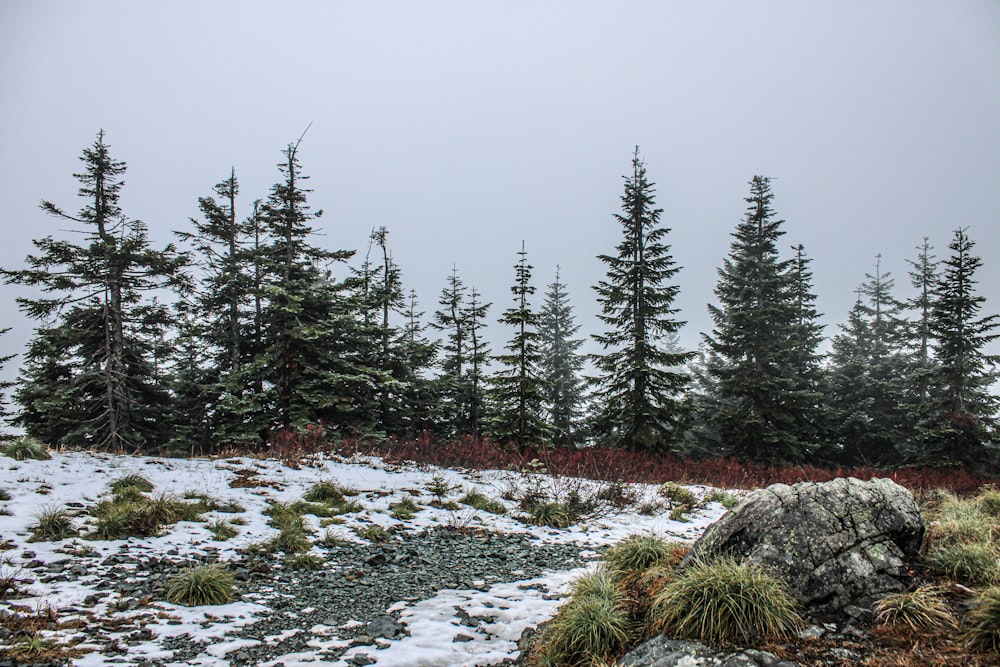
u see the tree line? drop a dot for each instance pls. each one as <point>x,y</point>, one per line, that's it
<point>240,330</point>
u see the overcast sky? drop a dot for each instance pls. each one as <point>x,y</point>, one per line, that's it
<point>466,127</point>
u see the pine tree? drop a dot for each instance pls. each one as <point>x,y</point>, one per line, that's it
<point>89,377</point>
<point>805,361</point>
<point>760,342</point>
<point>561,364</point>
<point>638,384</point>
<point>219,327</point>
<point>315,359</point>
<point>478,356</point>
<point>876,381</point>
<point>5,386</point>
<point>416,355</point>
<point>962,420</point>
<point>517,392</point>
<point>450,320</point>
<point>922,364</point>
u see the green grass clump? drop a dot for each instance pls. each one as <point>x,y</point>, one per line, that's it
<point>725,601</point>
<point>304,561</point>
<point>479,501</point>
<point>24,448</point>
<point>140,516</point>
<point>989,502</point>
<point>4,495</point>
<point>983,622</point>
<point>222,530</point>
<point>293,536</point>
<point>405,509</point>
<point>727,500</point>
<point>209,503</point>
<point>372,533</point>
<point>53,524</point>
<point>134,481</point>
<point>922,609</point>
<point>330,539</point>
<point>638,553</point>
<point>972,563</point>
<point>677,494</point>
<point>592,628</point>
<point>201,585</point>
<point>328,492</point>
<point>554,515</point>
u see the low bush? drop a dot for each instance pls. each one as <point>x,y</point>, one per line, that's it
<point>983,630</point>
<point>25,448</point>
<point>440,487</point>
<point>53,524</point>
<point>725,601</point>
<point>677,494</point>
<point>924,609</point>
<point>201,585</point>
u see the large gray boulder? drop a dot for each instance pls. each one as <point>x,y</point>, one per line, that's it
<point>663,652</point>
<point>840,545</point>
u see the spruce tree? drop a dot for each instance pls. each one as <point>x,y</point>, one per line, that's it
<point>450,320</point>
<point>314,358</point>
<point>416,356</point>
<point>89,377</point>
<point>638,383</point>
<point>516,390</point>
<point>5,386</point>
<point>877,378</point>
<point>478,356</point>
<point>922,364</point>
<point>760,342</point>
<point>962,419</point>
<point>561,364</point>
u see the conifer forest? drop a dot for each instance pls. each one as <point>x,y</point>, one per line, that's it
<point>239,331</point>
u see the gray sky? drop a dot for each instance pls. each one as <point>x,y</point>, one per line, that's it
<point>465,127</point>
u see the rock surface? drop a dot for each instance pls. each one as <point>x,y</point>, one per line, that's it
<point>663,652</point>
<point>838,544</point>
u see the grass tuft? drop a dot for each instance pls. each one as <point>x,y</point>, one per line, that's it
<point>922,609</point>
<point>24,448</point>
<point>477,500</point>
<point>135,481</point>
<point>372,533</point>
<point>972,564</point>
<point>304,561</point>
<point>222,530</point>
<point>639,552</point>
<point>328,492</point>
<point>983,629</point>
<point>553,515</point>
<point>725,601</point>
<point>591,628</point>
<point>405,509</point>
<point>201,585</point>
<point>677,494</point>
<point>53,524</point>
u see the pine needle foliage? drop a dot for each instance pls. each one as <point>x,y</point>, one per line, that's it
<point>638,381</point>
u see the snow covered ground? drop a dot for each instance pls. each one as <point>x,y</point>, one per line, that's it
<point>436,636</point>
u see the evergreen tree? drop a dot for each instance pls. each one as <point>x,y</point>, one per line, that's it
<point>561,364</point>
<point>962,419</point>
<point>517,392</point>
<point>805,362</point>
<point>5,386</point>
<point>638,383</point>
<point>450,319</point>
<point>416,355</point>
<point>89,377</point>
<point>760,342</point>
<point>219,328</point>
<point>869,396</point>
<point>922,364</point>
<point>478,357</point>
<point>315,360</point>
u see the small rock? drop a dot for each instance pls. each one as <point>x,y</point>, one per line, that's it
<point>460,639</point>
<point>813,632</point>
<point>361,660</point>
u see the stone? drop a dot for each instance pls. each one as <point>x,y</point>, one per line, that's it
<point>838,544</point>
<point>385,626</point>
<point>663,652</point>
